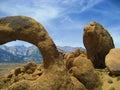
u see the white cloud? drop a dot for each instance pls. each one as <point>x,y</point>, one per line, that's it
<point>78,6</point>
<point>89,4</point>
<point>42,13</point>
<point>53,14</point>
<point>45,10</point>
<point>51,9</point>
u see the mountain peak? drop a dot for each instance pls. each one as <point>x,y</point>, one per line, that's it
<point>21,53</point>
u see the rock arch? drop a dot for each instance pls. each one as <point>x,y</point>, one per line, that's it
<point>27,29</point>
<point>55,76</point>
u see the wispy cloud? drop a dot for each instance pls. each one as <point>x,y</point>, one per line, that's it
<point>39,12</point>
<point>48,9</point>
<point>64,19</point>
<point>87,5</point>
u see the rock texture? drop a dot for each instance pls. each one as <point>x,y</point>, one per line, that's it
<point>25,28</point>
<point>78,84</point>
<point>30,72</point>
<point>112,61</point>
<point>97,42</point>
<point>69,57</point>
<point>55,76</point>
<point>82,69</point>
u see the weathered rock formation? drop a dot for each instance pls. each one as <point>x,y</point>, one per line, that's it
<point>82,69</point>
<point>30,71</point>
<point>69,57</point>
<point>97,42</point>
<point>25,28</point>
<point>78,84</point>
<point>112,61</point>
<point>24,74</point>
<point>55,76</point>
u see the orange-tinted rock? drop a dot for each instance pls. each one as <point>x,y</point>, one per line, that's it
<point>84,71</point>
<point>78,52</point>
<point>69,57</point>
<point>97,42</point>
<point>17,71</point>
<point>30,67</point>
<point>27,29</point>
<point>78,84</point>
<point>22,85</point>
<point>55,76</point>
<point>112,61</point>
<point>68,60</point>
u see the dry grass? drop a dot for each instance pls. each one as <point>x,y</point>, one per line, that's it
<point>99,88</point>
<point>112,88</point>
<point>6,67</point>
<point>118,78</point>
<point>109,82</point>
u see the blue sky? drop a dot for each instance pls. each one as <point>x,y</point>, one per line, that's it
<point>65,19</point>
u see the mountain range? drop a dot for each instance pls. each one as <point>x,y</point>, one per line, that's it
<point>22,54</point>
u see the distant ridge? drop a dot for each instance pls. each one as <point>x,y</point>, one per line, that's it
<point>22,54</point>
<point>67,49</point>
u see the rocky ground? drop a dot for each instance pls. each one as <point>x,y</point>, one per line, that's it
<point>109,82</point>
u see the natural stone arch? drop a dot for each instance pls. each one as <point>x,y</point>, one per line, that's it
<point>27,29</point>
<point>55,76</point>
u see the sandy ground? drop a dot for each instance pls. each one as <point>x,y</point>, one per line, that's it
<point>109,82</point>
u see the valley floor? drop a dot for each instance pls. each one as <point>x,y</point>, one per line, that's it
<point>7,67</point>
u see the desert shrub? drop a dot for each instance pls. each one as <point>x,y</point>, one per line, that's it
<point>99,73</point>
<point>118,78</point>
<point>112,88</point>
<point>1,69</point>
<point>99,88</point>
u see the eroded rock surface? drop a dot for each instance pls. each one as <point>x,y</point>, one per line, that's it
<point>112,61</point>
<point>78,84</point>
<point>82,69</point>
<point>55,76</point>
<point>27,29</point>
<point>97,42</point>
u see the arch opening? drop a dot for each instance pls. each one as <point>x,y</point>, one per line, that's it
<point>20,52</point>
<point>27,29</point>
